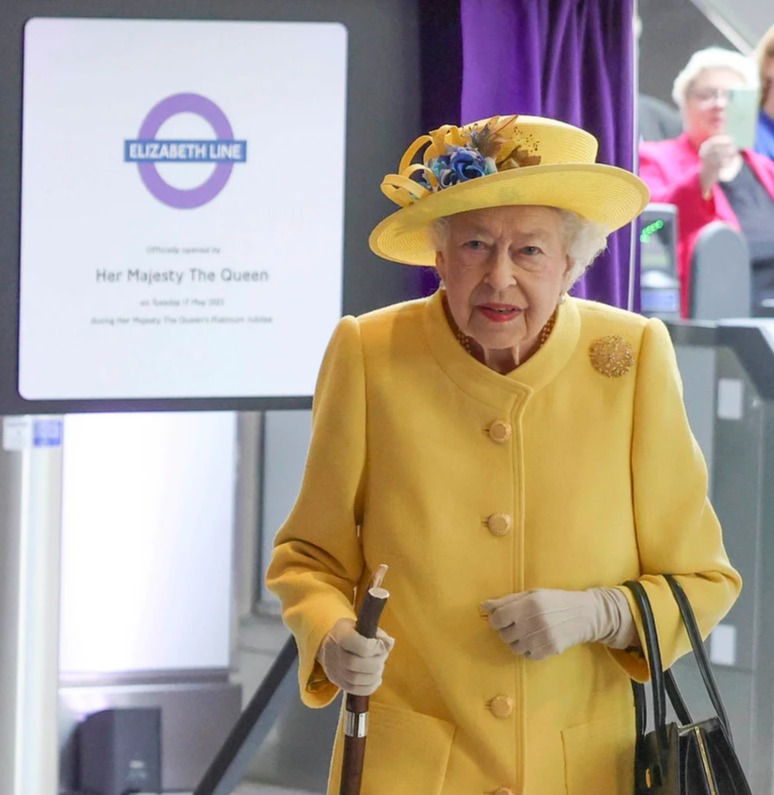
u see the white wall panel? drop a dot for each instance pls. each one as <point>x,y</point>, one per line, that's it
<point>147,538</point>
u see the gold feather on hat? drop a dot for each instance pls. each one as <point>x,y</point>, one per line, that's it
<point>495,132</point>
<point>499,139</point>
<point>518,159</point>
<point>487,141</point>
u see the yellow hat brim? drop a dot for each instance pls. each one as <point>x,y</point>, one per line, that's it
<point>606,194</point>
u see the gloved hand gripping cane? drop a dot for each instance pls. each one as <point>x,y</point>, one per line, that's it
<point>356,707</point>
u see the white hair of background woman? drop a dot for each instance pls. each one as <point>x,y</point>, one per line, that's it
<point>583,239</point>
<point>713,58</point>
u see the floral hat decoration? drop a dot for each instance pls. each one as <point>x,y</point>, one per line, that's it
<point>503,160</point>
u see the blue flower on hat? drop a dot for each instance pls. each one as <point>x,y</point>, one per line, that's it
<point>459,165</point>
<point>458,154</point>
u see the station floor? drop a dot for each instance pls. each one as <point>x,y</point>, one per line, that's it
<point>259,640</point>
<point>263,789</point>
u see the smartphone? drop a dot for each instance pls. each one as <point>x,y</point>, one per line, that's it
<point>742,115</point>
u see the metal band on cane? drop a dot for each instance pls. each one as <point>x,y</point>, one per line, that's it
<point>356,724</point>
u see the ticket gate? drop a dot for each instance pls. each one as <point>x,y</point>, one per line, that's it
<point>727,368</point>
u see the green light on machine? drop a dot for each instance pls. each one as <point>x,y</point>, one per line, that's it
<point>648,231</point>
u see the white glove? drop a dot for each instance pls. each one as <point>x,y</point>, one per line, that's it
<point>545,622</point>
<point>353,662</point>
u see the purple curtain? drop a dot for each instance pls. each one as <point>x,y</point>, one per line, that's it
<point>572,60</point>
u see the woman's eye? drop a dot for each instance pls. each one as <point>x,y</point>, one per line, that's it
<point>531,251</point>
<point>475,245</point>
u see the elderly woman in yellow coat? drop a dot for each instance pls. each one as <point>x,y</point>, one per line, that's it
<point>514,455</point>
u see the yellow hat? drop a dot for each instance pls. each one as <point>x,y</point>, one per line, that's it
<point>504,160</point>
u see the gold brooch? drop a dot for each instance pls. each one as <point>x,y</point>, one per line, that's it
<point>612,356</point>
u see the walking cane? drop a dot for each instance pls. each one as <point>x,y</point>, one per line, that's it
<point>356,707</point>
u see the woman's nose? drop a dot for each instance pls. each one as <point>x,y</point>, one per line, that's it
<point>502,272</point>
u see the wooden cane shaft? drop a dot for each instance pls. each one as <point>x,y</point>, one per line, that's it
<point>356,707</point>
<point>352,765</point>
<point>355,732</point>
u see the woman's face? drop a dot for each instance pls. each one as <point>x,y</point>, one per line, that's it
<point>504,269</point>
<point>704,112</point>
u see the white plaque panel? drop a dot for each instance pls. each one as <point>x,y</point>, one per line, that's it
<point>182,207</point>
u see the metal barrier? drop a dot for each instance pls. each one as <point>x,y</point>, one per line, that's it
<point>728,374</point>
<point>721,281</point>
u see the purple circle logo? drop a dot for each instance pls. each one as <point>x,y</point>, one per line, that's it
<point>147,150</point>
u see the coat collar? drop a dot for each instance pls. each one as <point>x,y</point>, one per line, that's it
<point>485,384</point>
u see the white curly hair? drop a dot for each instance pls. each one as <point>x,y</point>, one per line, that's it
<point>713,58</point>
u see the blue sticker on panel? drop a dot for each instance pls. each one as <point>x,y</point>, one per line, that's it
<point>47,433</point>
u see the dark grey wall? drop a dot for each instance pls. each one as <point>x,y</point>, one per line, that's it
<point>383,118</point>
<point>672,30</point>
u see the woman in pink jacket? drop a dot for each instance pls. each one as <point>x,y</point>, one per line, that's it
<point>708,178</point>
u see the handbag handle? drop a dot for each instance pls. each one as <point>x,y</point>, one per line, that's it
<point>699,652</point>
<point>662,680</point>
<point>654,662</point>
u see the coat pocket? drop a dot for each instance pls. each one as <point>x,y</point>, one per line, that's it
<point>599,756</point>
<point>405,752</point>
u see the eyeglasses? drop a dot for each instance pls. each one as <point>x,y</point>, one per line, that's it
<point>705,96</point>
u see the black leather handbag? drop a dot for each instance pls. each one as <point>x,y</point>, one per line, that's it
<point>685,757</point>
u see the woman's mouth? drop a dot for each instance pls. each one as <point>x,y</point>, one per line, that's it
<point>499,313</point>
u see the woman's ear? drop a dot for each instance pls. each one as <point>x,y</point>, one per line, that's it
<point>567,275</point>
<point>440,264</point>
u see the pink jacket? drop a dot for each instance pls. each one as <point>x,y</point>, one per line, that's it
<point>671,170</point>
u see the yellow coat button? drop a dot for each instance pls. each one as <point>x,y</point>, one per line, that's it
<point>500,431</point>
<point>504,791</point>
<point>501,706</point>
<point>499,524</point>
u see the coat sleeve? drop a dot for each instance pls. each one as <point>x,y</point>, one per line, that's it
<point>317,560</point>
<point>674,181</point>
<point>669,181</point>
<point>677,530</point>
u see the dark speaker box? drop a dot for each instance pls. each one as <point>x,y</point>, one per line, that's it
<point>119,751</point>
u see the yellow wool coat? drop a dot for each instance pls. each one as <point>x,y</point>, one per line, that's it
<point>472,485</point>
